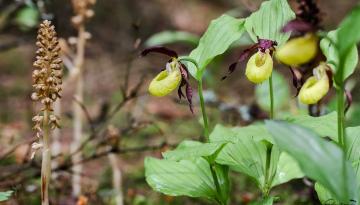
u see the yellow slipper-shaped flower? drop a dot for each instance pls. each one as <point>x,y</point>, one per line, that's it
<point>315,87</point>
<point>166,81</point>
<point>298,51</point>
<point>259,67</point>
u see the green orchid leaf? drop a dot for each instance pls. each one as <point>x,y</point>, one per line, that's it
<point>222,173</point>
<point>324,195</point>
<point>319,159</point>
<point>267,22</point>
<point>232,134</point>
<point>287,169</point>
<point>220,35</point>
<point>281,96</point>
<point>325,125</point>
<point>5,195</point>
<point>169,37</point>
<point>345,40</point>
<point>248,156</point>
<point>191,178</point>
<point>186,177</point>
<point>352,141</point>
<point>193,149</point>
<point>349,32</point>
<point>332,55</point>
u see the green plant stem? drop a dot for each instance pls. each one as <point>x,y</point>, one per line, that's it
<point>203,110</point>
<point>341,115</point>
<point>269,147</point>
<point>271,98</point>
<point>206,133</point>
<point>217,185</point>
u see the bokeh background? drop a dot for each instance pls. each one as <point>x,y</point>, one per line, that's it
<point>144,125</point>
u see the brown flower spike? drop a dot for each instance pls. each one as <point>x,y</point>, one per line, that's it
<point>47,80</point>
<point>82,11</point>
<point>47,74</point>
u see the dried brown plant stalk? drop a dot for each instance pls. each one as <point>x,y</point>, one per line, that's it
<point>83,12</point>
<point>47,80</point>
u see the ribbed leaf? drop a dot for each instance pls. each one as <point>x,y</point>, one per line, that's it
<point>325,126</point>
<point>267,22</point>
<point>193,149</point>
<point>187,177</point>
<point>319,159</point>
<point>332,55</point>
<point>287,169</point>
<point>222,173</point>
<point>353,148</point>
<point>247,156</point>
<point>168,37</point>
<point>232,134</point>
<point>221,33</point>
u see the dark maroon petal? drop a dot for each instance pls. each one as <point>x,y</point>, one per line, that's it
<point>243,56</point>
<point>184,71</point>
<point>189,94</point>
<point>180,93</point>
<point>159,49</point>
<point>185,82</point>
<point>298,26</point>
<point>297,79</point>
<point>349,100</point>
<point>329,73</point>
<point>265,44</point>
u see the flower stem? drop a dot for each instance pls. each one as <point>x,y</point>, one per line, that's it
<point>46,160</point>
<point>203,110</point>
<point>206,133</point>
<point>269,146</point>
<point>77,110</point>
<point>341,115</point>
<point>271,98</point>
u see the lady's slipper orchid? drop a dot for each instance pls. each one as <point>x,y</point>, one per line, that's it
<point>166,81</point>
<point>298,51</point>
<point>259,67</point>
<point>260,64</point>
<point>304,46</point>
<point>175,75</point>
<point>317,86</point>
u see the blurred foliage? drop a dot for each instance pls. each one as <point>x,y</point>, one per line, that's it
<point>27,18</point>
<point>5,195</point>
